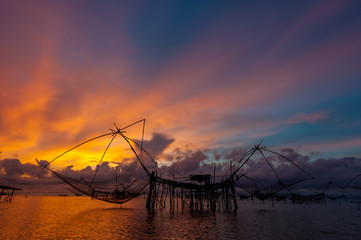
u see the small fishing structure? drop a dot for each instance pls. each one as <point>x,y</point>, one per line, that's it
<point>267,189</point>
<point>328,191</point>
<point>7,193</point>
<point>195,192</point>
<point>354,185</point>
<point>323,193</point>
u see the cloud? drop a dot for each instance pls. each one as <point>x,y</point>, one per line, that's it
<point>308,118</point>
<point>185,162</point>
<point>313,16</point>
<point>158,144</point>
<point>14,168</point>
<point>190,163</point>
<point>227,84</point>
<point>334,145</point>
<point>28,176</point>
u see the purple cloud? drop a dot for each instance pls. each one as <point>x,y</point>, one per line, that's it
<point>255,174</point>
<point>309,118</point>
<point>157,144</point>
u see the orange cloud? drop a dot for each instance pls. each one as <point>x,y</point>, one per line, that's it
<point>216,86</point>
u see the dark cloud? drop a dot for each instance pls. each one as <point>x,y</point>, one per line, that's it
<point>186,162</point>
<point>183,163</point>
<point>291,169</point>
<point>13,168</point>
<point>315,153</point>
<point>28,176</point>
<point>157,144</point>
<point>190,163</point>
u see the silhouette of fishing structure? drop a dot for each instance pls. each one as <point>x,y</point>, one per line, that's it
<point>354,185</point>
<point>194,192</point>
<point>7,193</point>
<point>276,188</point>
<point>328,191</point>
<point>123,192</point>
<point>332,191</point>
<point>73,191</point>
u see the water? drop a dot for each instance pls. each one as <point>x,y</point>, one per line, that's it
<point>39,217</point>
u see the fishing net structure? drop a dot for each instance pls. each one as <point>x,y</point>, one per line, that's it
<point>354,183</point>
<point>127,179</point>
<point>319,194</point>
<point>263,174</point>
<point>118,195</point>
<point>332,191</point>
<point>260,173</point>
<point>7,192</point>
<point>353,187</point>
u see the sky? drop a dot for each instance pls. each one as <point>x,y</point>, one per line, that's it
<point>209,77</point>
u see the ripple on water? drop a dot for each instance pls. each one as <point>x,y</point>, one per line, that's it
<point>83,218</point>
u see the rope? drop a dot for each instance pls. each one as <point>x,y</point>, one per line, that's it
<point>97,168</point>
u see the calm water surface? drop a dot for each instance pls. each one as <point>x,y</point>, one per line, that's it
<point>38,217</point>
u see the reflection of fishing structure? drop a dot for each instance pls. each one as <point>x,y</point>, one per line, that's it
<point>196,192</point>
<point>7,193</point>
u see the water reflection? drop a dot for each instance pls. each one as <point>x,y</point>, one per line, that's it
<point>82,218</point>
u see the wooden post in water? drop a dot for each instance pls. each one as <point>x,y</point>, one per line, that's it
<point>150,193</point>
<point>234,196</point>
<point>191,204</point>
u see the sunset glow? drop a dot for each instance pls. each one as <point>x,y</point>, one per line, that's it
<point>215,76</point>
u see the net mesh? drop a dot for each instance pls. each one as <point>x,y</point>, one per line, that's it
<point>132,172</point>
